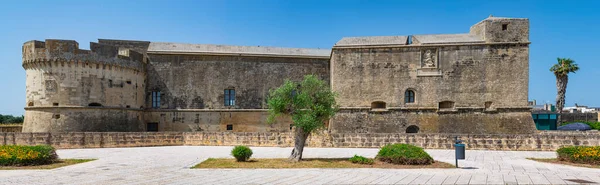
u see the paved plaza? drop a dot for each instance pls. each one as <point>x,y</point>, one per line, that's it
<point>171,165</point>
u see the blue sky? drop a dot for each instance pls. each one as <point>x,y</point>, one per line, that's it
<point>557,29</point>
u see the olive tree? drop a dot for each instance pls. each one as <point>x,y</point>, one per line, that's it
<point>310,103</point>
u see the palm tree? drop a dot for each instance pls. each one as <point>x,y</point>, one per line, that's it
<point>561,70</point>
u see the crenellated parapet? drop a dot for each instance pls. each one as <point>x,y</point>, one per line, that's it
<point>57,52</point>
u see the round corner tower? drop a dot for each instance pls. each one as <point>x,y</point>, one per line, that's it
<point>73,90</point>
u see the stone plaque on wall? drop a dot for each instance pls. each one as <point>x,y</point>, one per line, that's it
<point>50,85</point>
<point>430,63</point>
<point>429,58</point>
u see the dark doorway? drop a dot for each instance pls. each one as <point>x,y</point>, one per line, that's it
<point>412,129</point>
<point>152,127</point>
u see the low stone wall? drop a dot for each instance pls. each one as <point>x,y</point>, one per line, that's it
<point>543,141</point>
<point>570,117</point>
<point>11,128</point>
<point>94,139</point>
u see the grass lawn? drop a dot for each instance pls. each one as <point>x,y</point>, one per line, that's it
<point>556,161</point>
<point>307,163</point>
<point>60,163</point>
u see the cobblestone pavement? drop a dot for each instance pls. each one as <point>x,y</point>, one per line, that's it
<point>170,165</point>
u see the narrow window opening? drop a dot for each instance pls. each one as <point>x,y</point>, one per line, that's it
<point>412,129</point>
<point>94,104</point>
<point>409,96</point>
<point>56,116</point>
<point>110,83</point>
<point>504,27</point>
<point>128,81</point>
<point>229,97</point>
<point>488,105</point>
<point>409,40</point>
<point>378,105</point>
<point>229,127</point>
<point>30,104</point>
<point>127,106</point>
<point>54,104</point>
<point>156,99</point>
<point>446,105</point>
<point>152,127</point>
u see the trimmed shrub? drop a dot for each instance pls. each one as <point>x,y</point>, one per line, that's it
<point>580,154</point>
<point>361,160</point>
<point>404,154</point>
<point>241,153</point>
<point>18,155</point>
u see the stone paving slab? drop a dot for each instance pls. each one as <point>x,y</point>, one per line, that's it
<point>171,165</point>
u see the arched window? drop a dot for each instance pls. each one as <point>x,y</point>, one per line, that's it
<point>30,104</point>
<point>412,129</point>
<point>378,105</point>
<point>95,104</point>
<point>409,96</point>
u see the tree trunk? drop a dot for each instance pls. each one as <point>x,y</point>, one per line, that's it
<point>299,141</point>
<point>561,87</point>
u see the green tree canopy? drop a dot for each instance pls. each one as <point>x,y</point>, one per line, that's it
<point>310,103</point>
<point>564,67</point>
<point>11,119</point>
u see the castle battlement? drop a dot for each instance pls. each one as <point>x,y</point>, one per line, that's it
<point>52,50</point>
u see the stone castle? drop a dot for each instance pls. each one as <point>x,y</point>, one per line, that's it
<point>475,83</point>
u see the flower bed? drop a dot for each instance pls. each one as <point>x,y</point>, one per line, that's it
<point>18,155</point>
<point>580,154</point>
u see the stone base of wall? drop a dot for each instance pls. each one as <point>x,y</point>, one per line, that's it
<point>11,128</point>
<point>82,119</point>
<point>541,141</point>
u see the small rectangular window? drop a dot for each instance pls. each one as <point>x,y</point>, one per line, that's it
<point>229,97</point>
<point>504,26</point>
<point>110,83</point>
<point>152,127</point>
<point>54,104</point>
<point>156,99</point>
<point>229,127</point>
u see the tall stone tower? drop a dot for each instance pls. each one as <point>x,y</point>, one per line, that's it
<point>70,89</point>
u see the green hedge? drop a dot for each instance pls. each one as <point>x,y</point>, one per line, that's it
<point>580,154</point>
<point>361,160</point>
<point>241,153</point>
<point>18,155</point>
<point>404,154</point>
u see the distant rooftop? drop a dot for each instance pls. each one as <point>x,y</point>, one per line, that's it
<point>167,47</point>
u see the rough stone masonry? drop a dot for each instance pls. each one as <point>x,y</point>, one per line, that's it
<point>471,83</point>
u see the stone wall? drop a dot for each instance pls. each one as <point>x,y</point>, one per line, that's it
<point>86,119</point>
<point>216,120</point>
<point>570,117</point>
<point>198,81</point>
<point>11,128</point>
<point>465,121</point>
<point>542,141</point>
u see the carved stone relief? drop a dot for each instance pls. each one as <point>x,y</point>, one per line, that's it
<point>429,58</point>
